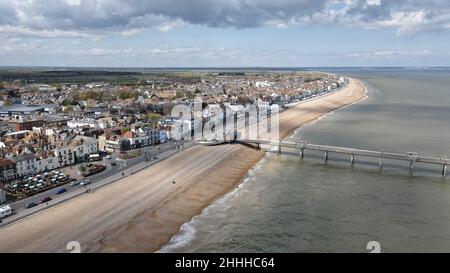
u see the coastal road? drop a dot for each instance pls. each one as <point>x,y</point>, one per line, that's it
<point>111,174</point>
<point>89,216</point>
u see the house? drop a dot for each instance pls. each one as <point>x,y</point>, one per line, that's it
<point>109,140</point>
<point>26,164</point>
<point>46,161</point>
<point>7,170</point>
<point>135,140</point>
<point>27,124</point>
<point>109,143</point>
<point>65,155</point>
<point>149,136</point>
<point>82,147</point>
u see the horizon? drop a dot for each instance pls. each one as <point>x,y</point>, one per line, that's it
<point>225,67</point>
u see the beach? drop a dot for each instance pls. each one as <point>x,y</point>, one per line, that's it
<point>142,212</point>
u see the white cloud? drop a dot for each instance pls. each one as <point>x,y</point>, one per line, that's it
<point>126,17</point>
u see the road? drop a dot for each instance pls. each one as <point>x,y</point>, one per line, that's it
<point>111,174</point>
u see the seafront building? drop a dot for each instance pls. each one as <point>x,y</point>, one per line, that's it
<point>44,127</point>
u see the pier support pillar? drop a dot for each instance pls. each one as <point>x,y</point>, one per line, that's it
<point>411,166</point>
<point>279,148</point>
<point>326,156</point>
<point>380,166</point>
<point>352,159</point>
<point>302,153</point>
<point>444,170</point>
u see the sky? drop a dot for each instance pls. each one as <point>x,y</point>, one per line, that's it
<point>224,33</point>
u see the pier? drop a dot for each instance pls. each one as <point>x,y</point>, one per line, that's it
<point>303,147</point>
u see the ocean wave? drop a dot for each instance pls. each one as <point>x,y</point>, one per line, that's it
<point>188,230</point>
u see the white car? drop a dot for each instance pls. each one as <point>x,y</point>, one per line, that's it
<point>108,157</point>
<point>5,212</point>
<point>74,183</point>
<point>85,182</point>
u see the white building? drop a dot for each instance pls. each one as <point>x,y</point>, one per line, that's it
<point>26,164</point>
<point>46,161</point>
<point>65,155</point>
<point>82,147</point>
<point>86,122</point>
<point>162,136</point>
<point>148,136</point>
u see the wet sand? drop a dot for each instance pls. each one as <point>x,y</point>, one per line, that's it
<point>142,212</point>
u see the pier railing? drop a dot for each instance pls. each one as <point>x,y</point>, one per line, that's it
<point>302,147</point>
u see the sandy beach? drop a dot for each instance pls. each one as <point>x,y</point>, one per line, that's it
<point>142,212</point>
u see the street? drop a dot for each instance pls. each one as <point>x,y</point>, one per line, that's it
<point>111,174</point>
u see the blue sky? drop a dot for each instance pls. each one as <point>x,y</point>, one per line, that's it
<point>224,33</point>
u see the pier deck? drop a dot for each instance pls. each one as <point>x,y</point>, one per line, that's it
<point>353,153</point>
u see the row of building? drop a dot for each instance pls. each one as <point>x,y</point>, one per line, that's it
<point>25,153</point>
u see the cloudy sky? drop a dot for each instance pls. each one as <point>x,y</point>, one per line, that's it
<point>224,33</point>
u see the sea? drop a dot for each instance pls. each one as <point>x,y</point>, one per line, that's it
<point>290,204</point>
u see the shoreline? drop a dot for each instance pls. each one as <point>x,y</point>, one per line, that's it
<point>364,96</point>
<point>151,208</point>
<point>285,131</point>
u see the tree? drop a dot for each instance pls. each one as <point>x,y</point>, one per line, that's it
<point>125,145</point>
<point>154,116</point>
<point>58,87</point>
<point>68,101</point>
<point>82,168</point>
<point>179,94</point>
<point>123,95</point>
<point>68,109</point>
<point>125,129</point>
<point>190,95</point>
<point>4,84</point>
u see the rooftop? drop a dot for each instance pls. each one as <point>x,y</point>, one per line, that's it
<point>21,108</point>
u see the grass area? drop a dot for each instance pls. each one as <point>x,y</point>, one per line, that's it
<point>130,155</point>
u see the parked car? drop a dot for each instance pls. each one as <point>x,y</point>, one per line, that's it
<point>46,199</point>
<point>108,157</point>
<point>30,205</point>
<point>74,183</point>
<point>114,164</point>
<point>85,182</point>
<point>61,191</point>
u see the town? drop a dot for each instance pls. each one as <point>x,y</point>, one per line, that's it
<point>60,127</point>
